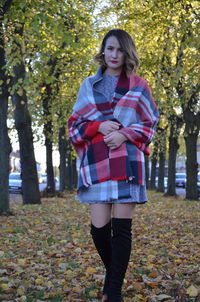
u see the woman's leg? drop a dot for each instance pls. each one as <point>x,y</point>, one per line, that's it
<point>123,210</point>
<point>101,234</point>
<point>121,248</point>
<point>100,214</point>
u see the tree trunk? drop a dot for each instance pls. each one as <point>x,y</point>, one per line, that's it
<point>161,172</point>
<point>171,183</point>
<point>69,167</point>
<point>191,115</point>
<point>162,157</point>
<point>191,166</point>
<point>30,188</point>
<point>154,159</point>
<point>48,133</point>
<point>74,174</point>
<point>63,154</point>
<point>176,124</point>
<point>5,147</point>
<point>147,171</point>
<point>153,174</point>
<point>192,126</point>
<point>49,164</point>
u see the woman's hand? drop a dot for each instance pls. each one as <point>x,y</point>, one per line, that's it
<point>114,140</point>
<point>108,127</point>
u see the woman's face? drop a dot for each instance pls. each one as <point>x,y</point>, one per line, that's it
<point>114,56</point>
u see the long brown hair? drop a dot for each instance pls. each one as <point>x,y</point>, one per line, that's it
<point>131,61</point>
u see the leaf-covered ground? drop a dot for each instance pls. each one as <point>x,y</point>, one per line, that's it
<point>46,252</point>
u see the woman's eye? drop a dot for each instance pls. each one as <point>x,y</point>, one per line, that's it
<point>111,48</point>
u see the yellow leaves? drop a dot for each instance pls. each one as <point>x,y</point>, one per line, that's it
<point>22,261</point>
<point>69,272</point>
<point>10,230</point>
<point>192,291</point>
<point>50,295</point>
<point>151,258</point>
<point>65,267</point>
<point>150,266</point>
<point>1,254</point>
<point>20,291</point>
<point>39,281</point>
<point>63,241</point>
<point>139,298</point>
<point>92,292</point>
<point>4,286</point>
<point>37,221</point>
<point>91,270</point>
<point>42,89</point>
<point>49,284</point>
<point>20,92</point>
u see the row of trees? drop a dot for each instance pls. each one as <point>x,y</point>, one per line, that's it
<point>167,34</point>
<point>46,50</point>
<point>44,56</point>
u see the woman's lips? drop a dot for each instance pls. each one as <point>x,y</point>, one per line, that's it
<point>114,62</point>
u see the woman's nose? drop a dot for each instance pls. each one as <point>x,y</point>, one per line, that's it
<point>114,53</point>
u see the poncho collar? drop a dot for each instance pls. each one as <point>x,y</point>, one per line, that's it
<point>123,81</point>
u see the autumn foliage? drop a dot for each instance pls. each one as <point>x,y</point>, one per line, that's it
<point>46,253</point>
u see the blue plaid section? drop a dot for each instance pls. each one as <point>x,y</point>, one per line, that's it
<point>113,192</point>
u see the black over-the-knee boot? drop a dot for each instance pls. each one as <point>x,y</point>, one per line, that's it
<point>102,240</point>
<point>121,250</point>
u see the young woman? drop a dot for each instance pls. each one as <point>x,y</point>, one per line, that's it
<point>112,124</point>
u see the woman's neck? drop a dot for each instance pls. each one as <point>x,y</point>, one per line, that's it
<point>112,72</point>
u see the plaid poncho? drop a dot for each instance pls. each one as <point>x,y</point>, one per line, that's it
<point>133,107</point>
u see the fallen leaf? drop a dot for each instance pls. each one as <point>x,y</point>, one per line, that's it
<point>91,270</point>
<point>153,274</point>
<point>20,292</point>
<point>163,297</point>
<point>1,253</point>
<point>69,272</point>
<point>22,261</point>
<point>39,281</point>
<point>56,260</point>
<point>192,291</point>
<point>138,286</point>
<point>4,286</point>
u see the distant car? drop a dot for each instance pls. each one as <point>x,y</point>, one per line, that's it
<point>181,180</point>
<point>44,177</point>
<point>15,183</point>
<point>165,182</point>
<point>198,179</point>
